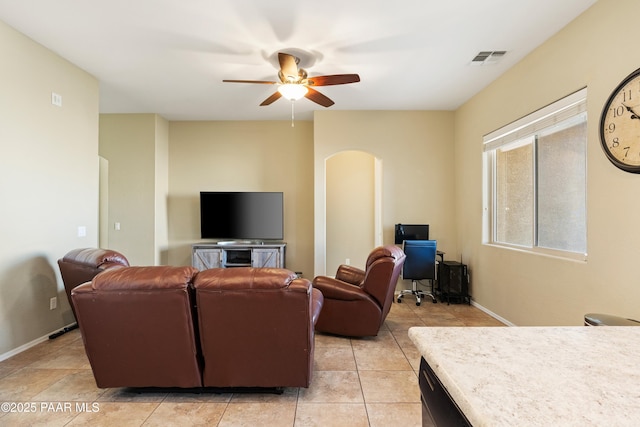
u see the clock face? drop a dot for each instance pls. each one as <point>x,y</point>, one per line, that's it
<point>620,125</point>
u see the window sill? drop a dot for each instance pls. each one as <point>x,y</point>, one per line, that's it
<point>549,253</point>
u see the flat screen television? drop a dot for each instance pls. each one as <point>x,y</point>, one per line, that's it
<point>411,232</point>
<point>242,215</point>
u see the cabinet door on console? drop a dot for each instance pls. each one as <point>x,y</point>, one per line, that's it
<point>204,259</point>
<point>266,258</point>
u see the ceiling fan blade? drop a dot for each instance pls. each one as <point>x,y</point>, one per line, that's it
<point>336,79</point>
<point>264,82</point>
<point>318,98</point>
<point>288,66</point>
<point>270,100</point>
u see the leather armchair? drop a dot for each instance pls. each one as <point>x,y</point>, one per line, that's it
<point>137,327</point>
<point>356,302</point>
<point>256,327</point>
<point>82,265</point>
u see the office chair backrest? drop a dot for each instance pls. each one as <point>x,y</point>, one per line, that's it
<point>421,259</point>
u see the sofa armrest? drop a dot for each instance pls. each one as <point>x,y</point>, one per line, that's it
<point>350,274</point>
<point>82,289</point>
<point>336,289</point>
<point>317,300</point>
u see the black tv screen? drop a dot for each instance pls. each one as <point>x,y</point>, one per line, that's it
<point>241,215</point>
<point>411,232</point>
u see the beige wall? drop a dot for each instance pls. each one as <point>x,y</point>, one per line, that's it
<point>161,194</point>
<point>241,156</point>
<point>417,185</point>
<point>597,50</point>
<point>48,183</point>
<point>415,149</point>
<point>136,147</point>
<point>273,156</point>
<point>350,195</point>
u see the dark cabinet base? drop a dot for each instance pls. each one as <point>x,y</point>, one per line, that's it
<point>438,409</point>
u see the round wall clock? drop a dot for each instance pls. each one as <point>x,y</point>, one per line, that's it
<point>620,124</point>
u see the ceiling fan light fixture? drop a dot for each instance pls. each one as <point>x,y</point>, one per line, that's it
<point>292,91</point>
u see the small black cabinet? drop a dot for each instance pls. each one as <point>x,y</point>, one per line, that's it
<point>453,282</point>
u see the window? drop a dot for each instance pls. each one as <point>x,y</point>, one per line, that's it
<point>535,180</point>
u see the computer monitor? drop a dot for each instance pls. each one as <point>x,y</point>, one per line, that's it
<point>411,232</point>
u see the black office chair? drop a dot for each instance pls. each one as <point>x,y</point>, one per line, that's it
<point>420,264</point>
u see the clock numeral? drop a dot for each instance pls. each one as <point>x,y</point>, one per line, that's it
<point>626,95</point>
<point>611,128</point>
<point>618,111</point>
<point>615,143</point>
<point>626,151</point>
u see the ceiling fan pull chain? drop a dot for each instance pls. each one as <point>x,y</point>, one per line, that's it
<point>292,116</point>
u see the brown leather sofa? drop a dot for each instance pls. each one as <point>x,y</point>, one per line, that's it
<point>137,327</point>
<point>177,327</point>
<point>256,327</point>
<point>356,302</point>
<point>81,265</point>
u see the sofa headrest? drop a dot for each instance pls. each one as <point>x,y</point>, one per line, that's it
<point>95,257</point>
<point>388,251</point>
<point>144,278</point>
<point>243,278</point>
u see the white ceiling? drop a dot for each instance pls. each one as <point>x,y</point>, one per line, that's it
<point>170,56</point>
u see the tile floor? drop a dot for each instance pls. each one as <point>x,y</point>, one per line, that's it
<point>357,382</point>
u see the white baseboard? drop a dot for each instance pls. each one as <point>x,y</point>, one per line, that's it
<point>28,345</point>
<point>492,314</point>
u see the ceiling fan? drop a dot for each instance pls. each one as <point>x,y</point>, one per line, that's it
<point>294,82</point>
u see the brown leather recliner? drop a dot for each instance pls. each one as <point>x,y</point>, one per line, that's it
<point>256,327</point>
<point>137,325</point>
<point>82,265</point>
<point>356,302</point>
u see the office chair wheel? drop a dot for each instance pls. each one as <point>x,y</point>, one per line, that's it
<point>399,299</point>
<point>418,304</point>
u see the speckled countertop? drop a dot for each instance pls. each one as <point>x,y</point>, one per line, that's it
<point>538,376</point>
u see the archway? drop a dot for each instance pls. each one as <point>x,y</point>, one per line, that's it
<point>352,211</point>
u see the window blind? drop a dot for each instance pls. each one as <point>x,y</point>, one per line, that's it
<point>535,122</point>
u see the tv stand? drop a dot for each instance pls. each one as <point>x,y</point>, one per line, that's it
<point>238,253</point>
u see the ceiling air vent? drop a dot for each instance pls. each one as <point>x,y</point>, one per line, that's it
<point>488,57</point>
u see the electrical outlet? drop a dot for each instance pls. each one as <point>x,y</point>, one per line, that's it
<point>53,303</point>
<point>347,261</point>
